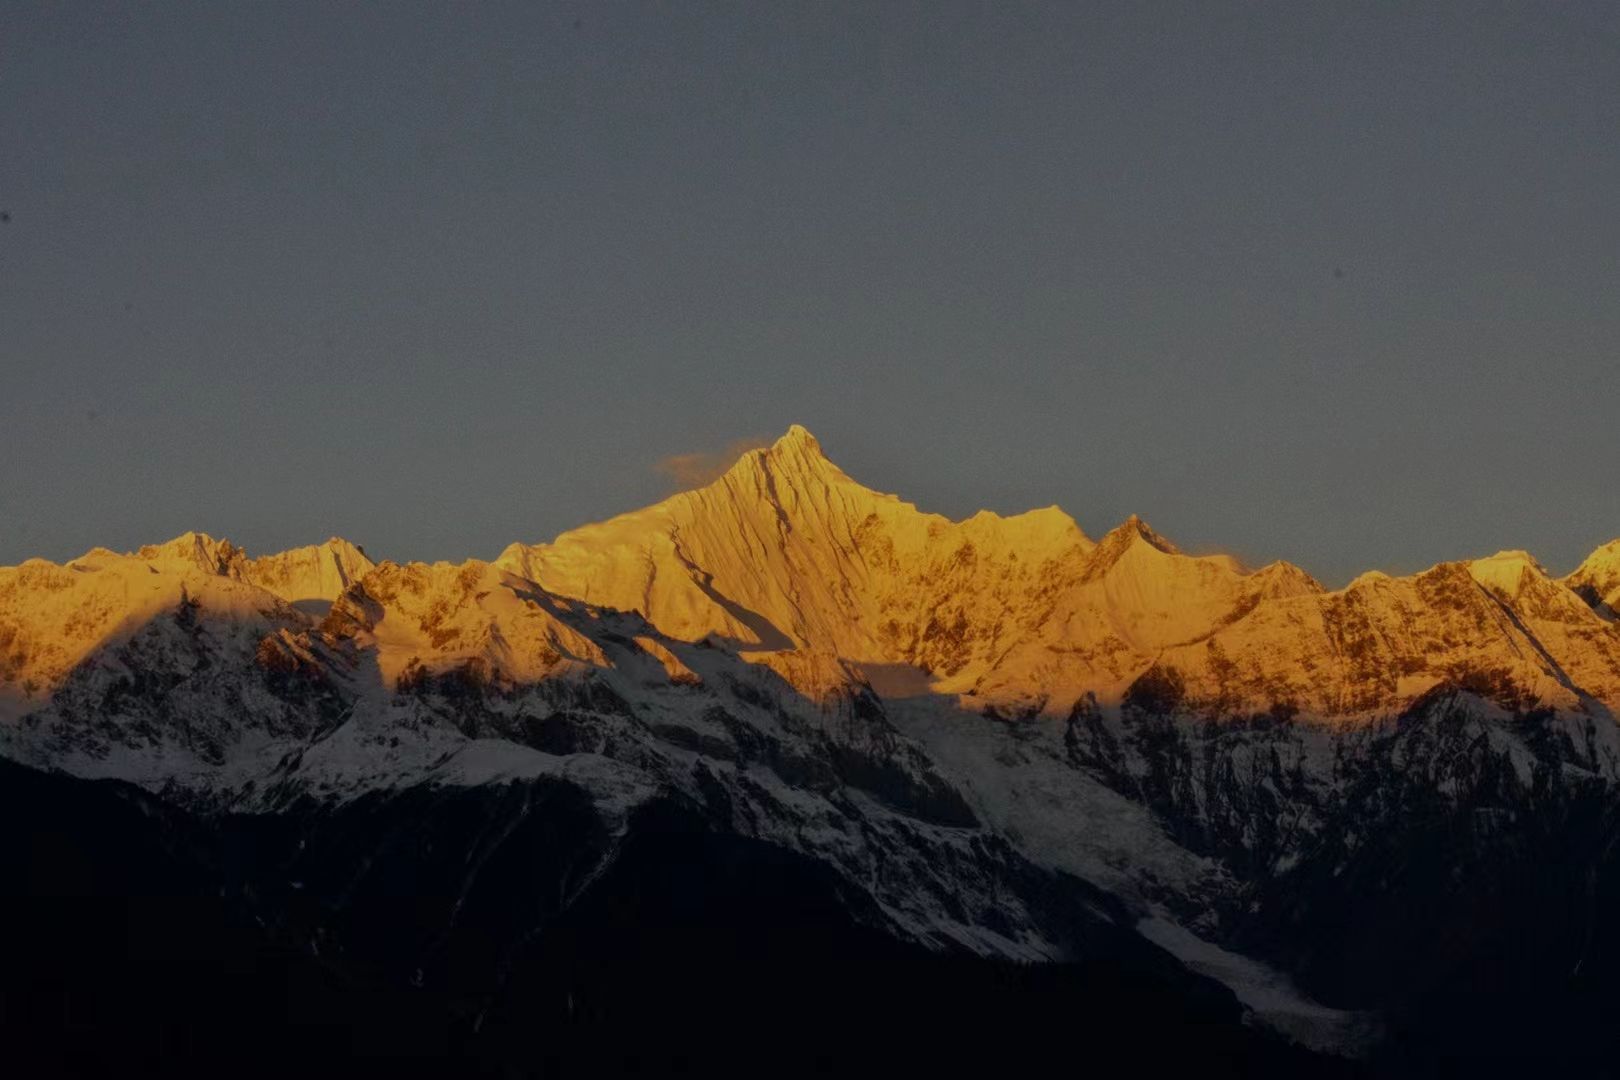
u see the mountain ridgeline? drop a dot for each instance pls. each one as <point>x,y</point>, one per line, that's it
<point>784,751</point>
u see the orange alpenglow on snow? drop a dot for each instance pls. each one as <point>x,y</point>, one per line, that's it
<point>787,561</point>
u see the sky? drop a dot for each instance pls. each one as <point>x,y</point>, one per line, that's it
<point>1326,282</point>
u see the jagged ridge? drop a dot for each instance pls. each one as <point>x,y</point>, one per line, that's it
<point>942,712</point>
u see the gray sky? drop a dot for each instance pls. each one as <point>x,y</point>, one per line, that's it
<point>1338,283</point>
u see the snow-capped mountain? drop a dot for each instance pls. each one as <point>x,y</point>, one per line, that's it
<point>992,738</point>
<point>1597,580</point>
<point>310,578</point>
<point>787,553</point>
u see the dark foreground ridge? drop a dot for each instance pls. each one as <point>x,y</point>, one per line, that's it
<point>145,939</point>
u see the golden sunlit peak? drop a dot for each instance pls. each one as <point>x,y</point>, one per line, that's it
<point>798,440</point>
<point>797,431</point>
<point>1134,528</point>
<point>1514,555</point>
<point>797,456</point>
<point>1608,555</point>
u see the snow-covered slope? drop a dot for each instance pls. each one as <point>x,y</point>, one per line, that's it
<point>310,578</point>
<point>988,729</point>
<point>1498,626</point>
<point>1597,580</point>
<point>55,618</point>
<point>786,552</point>
<point>196,683</point>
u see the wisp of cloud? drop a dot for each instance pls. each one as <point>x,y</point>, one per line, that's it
<point>688,471</point>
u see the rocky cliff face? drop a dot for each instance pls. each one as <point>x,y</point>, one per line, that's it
<point>991,738</point>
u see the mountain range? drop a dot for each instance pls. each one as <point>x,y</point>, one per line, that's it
<point>785,738</point>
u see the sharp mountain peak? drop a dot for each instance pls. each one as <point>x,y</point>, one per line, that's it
<point>785,551</point>
<point>1137,529</point>
<point>796,459</point>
